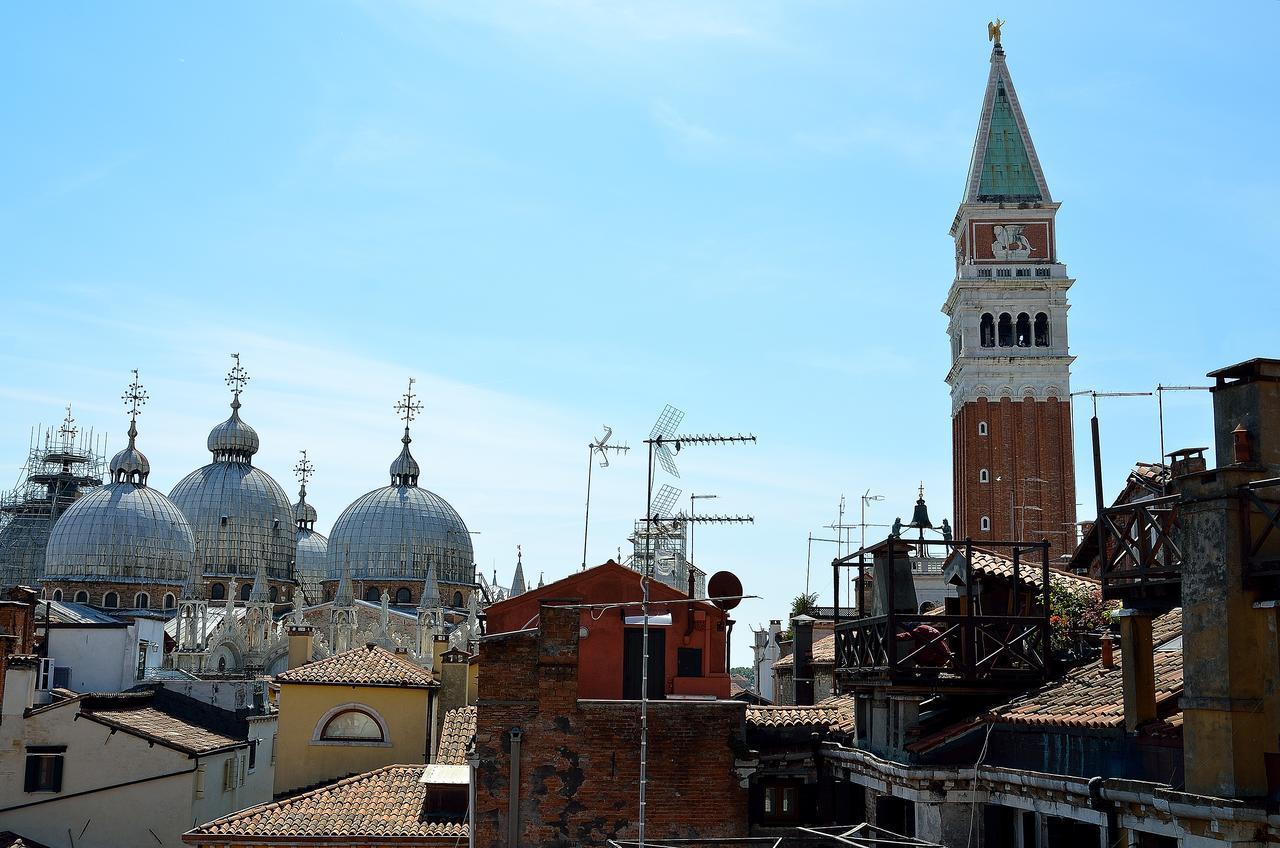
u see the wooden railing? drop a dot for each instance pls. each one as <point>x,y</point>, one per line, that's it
<point>1260,531</point>
<point>958,649</point>
<point>1139,551</point>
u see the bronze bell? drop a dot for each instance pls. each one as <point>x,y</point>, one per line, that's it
<point>920,518</point>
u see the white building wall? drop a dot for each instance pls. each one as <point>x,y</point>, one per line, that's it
<point>105,659</point>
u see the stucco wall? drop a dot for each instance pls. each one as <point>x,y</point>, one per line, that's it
<point>105,659</point>
<point>301,762</point>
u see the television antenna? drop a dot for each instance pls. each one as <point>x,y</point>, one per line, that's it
<point>602,447</point>
<point>662,439</point>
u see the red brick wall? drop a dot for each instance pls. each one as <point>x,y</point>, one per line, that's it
<point>1025,438</point>
<point>579,761</point>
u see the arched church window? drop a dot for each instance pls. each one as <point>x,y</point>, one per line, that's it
<point>222,665</point>
<point>1005,330</point>
<point>57,594</point>
<point>275,593</point>
<point>245,591</point>
<point>111,600</point>
<point>987,330</point>
<point>82,597</point>
<point>984,476</point>
<point>373,595</point>
<point>457,600</point>
<point>169,600</point>
<point>142,601</point>
<point>985,524</point>
<point>1042,330</point>
<point>217,592</point>
<point>1024,330</point>
<point>982,428</point>
<point>352,726</point>
<point>403,596</point>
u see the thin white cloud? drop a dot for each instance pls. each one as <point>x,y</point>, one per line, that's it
<point>686,133</point>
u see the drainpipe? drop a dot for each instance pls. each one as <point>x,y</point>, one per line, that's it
<point>473,763</point>
<point>513,793</point>
<point>1097,802</point>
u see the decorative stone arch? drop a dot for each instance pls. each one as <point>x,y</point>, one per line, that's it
<point>82,597</point>
<point>227,652</point>
<point>277,663</point>
<point>983,391</point>
<point>1006,391</point>
<point>351,706</point>
<point>1053,392</point>
<point>1029,392</point>
<point>57,595</point>
<point>170,601</point>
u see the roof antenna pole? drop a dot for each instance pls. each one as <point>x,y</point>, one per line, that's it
<point>602,447</point>
<point>1160,390</point>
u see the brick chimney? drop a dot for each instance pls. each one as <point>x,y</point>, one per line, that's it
<point>1246,413</point>
<point>802,628</point>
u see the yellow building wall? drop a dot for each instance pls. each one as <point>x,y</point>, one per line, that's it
<point>301,762</point>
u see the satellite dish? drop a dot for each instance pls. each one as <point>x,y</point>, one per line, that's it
<point>725,584</point>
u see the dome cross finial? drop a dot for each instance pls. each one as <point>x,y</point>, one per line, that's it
<point>237,377</point>
<point>135,396</point>
<point>68,430</point>
<point>303,471</point>
<point>408,406</point>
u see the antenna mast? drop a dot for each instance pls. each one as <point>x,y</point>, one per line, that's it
<point>602,447</point>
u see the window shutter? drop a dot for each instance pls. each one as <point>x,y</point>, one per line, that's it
<point>244,767</point>
<point>57,774</point>
<point>33,772</point>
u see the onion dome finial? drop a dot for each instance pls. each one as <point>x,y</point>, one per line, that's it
<point>304,514</point>
<point>131,465</point>
<point>233,440</point>
<point>405,469</point>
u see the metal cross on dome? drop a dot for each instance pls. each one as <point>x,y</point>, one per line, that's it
<point>304,469</point>
<point>68,429</point>
<point>135,396</point>
<point>408,406</point>
<point>237,376</point>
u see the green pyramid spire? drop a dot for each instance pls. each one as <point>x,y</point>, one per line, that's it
<point>1004,168</point>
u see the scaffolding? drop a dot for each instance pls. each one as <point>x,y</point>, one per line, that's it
<point>663,544</point>
<point>60,465</point>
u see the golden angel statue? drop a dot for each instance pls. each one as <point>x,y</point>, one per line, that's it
<point>993,30</point>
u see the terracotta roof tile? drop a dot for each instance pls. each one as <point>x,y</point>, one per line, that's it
<point>367,666</point>
<point>154,725</point>
<point>1093,696</point>
<point>986,563</point>
<point>833,713</point>
<point>455,736</point>
<point>824,653</point>
<point>384,803</point>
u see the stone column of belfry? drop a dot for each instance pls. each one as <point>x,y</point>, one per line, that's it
<point>1013,462</point>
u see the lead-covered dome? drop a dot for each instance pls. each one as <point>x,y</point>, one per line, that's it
<point>310,562</point>
<point>125,531</point>
<point>239,514</point>
<point>395,532</point>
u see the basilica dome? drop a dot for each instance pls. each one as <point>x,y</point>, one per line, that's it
<point>391,534</point>
<point>310,561</point>
<point>122,532</point>
<point>238,513</point>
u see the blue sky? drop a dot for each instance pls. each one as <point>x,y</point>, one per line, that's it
<point>558,215</point>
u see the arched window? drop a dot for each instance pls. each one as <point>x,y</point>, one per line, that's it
<point>57,594</point>
<point>350,724</point>
<point>373,595</point>
<point>169,600</point>
<point>986,524</point>
<point>987,330</point>
<point>217,592</point>
<point>245,591</point>
<point>274,594</point>
<point>982,428</point>
<point>984,476</point>
<point>111,600</point>
<point>1024,330</point>
<point>222,665</point>
<point>403,596</point>
<point>328,595</point>
<point>142,601</point>
<point>1042,330</point>
<point>457,600</point>
<point>1005,330</point>
<point>82,597</point>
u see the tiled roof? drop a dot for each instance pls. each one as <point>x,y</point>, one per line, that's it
<point>455,735</point>
<point>156,726</point>
<point>367,666</point>
<point>832,713</point>
<point>986,563</point>
<point>824,653</point>
<point>1093,696</point>
<point>382,804</point>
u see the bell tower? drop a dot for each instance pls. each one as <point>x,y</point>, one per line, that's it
<point>1013,463</point>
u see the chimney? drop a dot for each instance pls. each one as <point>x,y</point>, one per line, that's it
<point>301,642</point>
<point>1108,651</point>
<point>1246,414</point>
<point>802,628</point>
<point>1187,461</point>
<point>1138,669</point>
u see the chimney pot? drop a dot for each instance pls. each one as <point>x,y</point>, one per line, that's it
<point>1108,651</point>
<point>1240,437</point>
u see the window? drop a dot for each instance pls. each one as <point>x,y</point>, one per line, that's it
<point>253,755</point>
<point>403,596</point>
<point>781,803</point>
<point>201,771</point>
<point>1006,330</point>
<point>1042,272</point>
<point>372,595</point>
<point>82,597</point>
<point>1022,272</point>
<point>275,593</point>
<point>987,330</point>
<point>57,594</point>
<point>111,600</point>
<point>245,591</point>
<point>352,726</point>
<point>984,476</point>
<point>1042,330</point>
<point>228,774</point>
<point>1024,330</point>
<point>169,600</point>
<point>44,769</point>
<point>457,600</point>
<point>689,662</point>
<point>982,428</point>
<point>274,737</point>
<point>217,592</point>
<point>142,658</point>
<point>1003,272</point>
<point>984,272</point>
<point>141,601</point>
<point>985,524</point>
